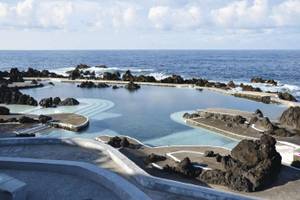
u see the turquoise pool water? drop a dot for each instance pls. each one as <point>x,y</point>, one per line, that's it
<point>151,114</point>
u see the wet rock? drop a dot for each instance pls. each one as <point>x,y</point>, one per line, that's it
<point>111,76</point>
<point>51,83</point>
<point>286,96</point>
<point>143,78</point>
<point>102,85</point>
<point>261,80</point>
<point>291,118</point>
<point>69,102</point>
<point>46,102</point>
<point>249,88</point>
<point>15,75</point>
<point>175,79</point>
<point>115,87</point>
<point>131,86</point>
<point>14,96</point>
<point>25,120</point>
<point>75,74</point>
<point>4,110</point>
<point>44,119</point>
<point>56,101</point>
<point>127,76</point>
<point>231,84</point>
<point>82,66</point>
<point>190,116</point>
<point>153,158</point>
<point>87,84</point>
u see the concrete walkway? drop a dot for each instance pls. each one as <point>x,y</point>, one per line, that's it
<point>53,186</point>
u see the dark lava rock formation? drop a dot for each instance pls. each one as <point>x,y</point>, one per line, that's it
<point>286,96</point>
<point>291,118</point>
<point>185,168</point>
<point>69,102</point>
<point>261,80</point>
<point>14,96</point>
<point>118,142</point>
<point>15,75</point>
<point>131,86</point>
<point>4,110</point>
<point>252,166</point>
<point>90,84</point>
<point>153,158</point>
<point>53,102</point>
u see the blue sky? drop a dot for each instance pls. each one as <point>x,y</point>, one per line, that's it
<point>150,24</point>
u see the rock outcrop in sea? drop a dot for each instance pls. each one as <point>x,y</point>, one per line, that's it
<point>53,102</point>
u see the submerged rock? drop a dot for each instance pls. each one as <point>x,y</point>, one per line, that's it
<point>131,86</point>
<point>291,118</point>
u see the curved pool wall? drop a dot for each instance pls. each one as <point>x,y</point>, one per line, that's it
<point>151,114</point>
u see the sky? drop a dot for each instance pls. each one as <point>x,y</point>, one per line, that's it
<point>149,24</point>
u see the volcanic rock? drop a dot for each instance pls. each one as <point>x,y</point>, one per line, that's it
<point>131,86</point>
<point>286,96</point>
<point>4,110</point>
<point>15,75</point>
<point>127,76</point>
<point>46,102</point>
<point>176,79</point>
<point>44,119</point>
<point>69,102</point>
<point>291,118</point>
<point>153,158</point>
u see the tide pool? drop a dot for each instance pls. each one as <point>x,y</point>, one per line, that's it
<point>152,114</point>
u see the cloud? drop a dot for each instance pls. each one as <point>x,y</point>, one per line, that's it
<point>163,17</point>
<point>134,15</point>
<point>287,13</point>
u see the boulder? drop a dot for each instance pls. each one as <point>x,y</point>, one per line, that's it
<point>143,78</point>
<point>209,154</point>
<point>249,88</point>
<point>15,75</point>
<point>131,86</point>
<point>111,76</point>
<point>56,101</point>
<point>14,96</point>
<point>127,76</point>
<point>261,80</point>
<point>176,79</point>
<point>69,102</point>
<point>286,96</point>
<point>115,87</point>
<point>231,84</point>
<point>82,66</point>
<point>252,166</point>
<point>87,84</point>
<point>4,110</point>
<point>291,118</point>
<point>75,74</point>
<point>118,142</point>
<point>46,102</point>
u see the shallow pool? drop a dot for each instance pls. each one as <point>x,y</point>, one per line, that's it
<point>151,114</point>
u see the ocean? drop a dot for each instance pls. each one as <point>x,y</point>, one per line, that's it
<point>217,65</point>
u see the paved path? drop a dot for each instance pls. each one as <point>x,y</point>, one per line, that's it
<point>54,186</point>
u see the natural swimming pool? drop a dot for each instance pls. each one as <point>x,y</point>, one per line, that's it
<point>151,114</point>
